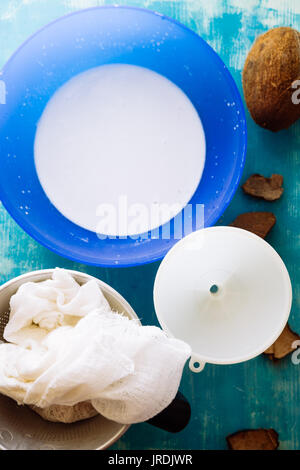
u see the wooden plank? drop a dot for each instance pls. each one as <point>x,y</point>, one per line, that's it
<point>224,398</point>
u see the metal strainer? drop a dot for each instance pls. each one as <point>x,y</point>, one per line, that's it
<point>20,427</point>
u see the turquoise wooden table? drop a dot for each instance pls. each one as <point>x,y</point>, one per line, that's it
<point>224,399</point>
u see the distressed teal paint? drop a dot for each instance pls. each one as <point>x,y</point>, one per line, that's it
<point>224,398</point>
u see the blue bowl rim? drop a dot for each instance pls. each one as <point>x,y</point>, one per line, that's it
<point>234,185</point>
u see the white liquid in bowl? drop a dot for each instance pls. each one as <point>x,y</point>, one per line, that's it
<point>114,135</point>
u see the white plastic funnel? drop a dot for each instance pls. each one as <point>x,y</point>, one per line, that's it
<point>226,292</point>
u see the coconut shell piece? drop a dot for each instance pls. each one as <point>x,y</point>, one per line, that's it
<point>269,189</point>
<point>253,439</point>
<point>271,68</point>
<point>259,223</point>
<point>283,345</point>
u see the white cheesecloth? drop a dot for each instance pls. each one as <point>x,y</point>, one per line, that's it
<point>67,346</point>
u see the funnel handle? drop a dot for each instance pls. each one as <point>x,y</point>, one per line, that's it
<point>196,365</point>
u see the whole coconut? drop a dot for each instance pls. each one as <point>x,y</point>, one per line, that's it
<point>270,71</point>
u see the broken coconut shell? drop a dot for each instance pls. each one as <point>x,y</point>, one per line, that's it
<point>269,189</point>
<point>253,439</point>
<point>270,71</point>
<point>259,223</point>
<point>283,345</point>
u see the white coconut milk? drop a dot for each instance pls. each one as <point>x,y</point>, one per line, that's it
<point>119,131</point>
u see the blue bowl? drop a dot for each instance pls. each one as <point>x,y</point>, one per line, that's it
<point>89,38</point>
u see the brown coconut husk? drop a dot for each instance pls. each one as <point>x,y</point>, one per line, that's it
<point>259,223</point>
<point>271,68</point>
<point>259,186</point>
<point>253,439</point>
